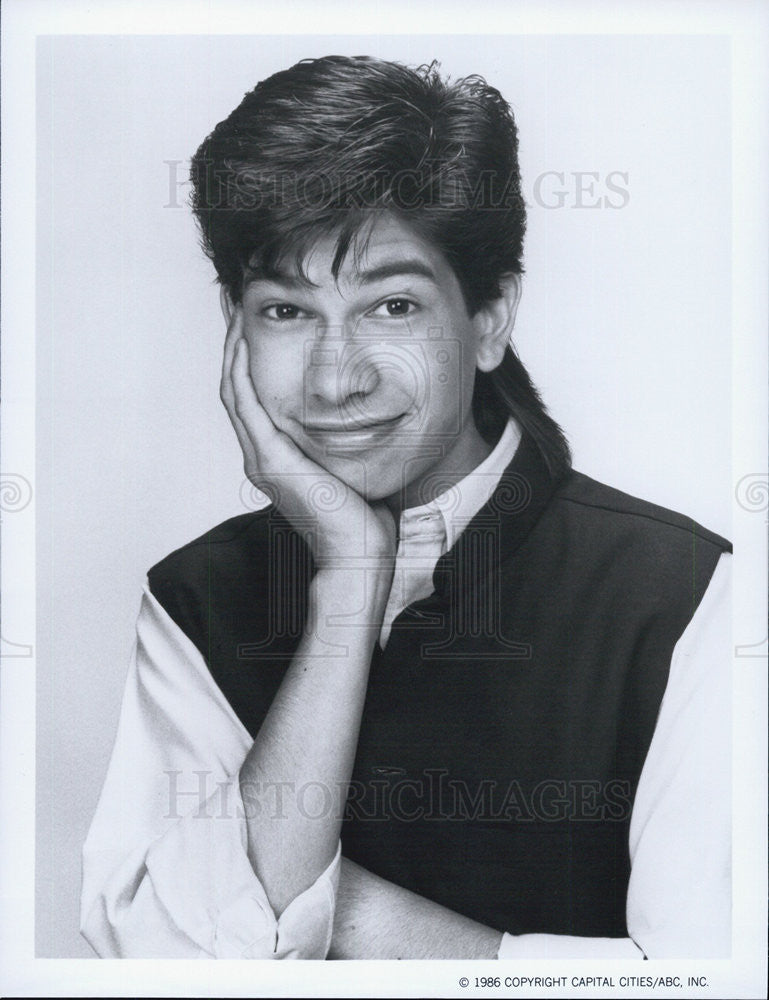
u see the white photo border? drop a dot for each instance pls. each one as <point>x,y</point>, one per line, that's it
<point>747,24</point>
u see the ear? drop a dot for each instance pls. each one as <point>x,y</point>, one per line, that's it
<point>494,324</point>
<point>225,301</point>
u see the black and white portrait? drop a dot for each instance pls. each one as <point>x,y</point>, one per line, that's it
<point>393,519</point>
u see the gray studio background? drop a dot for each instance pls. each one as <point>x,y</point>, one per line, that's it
<point>625,325</point>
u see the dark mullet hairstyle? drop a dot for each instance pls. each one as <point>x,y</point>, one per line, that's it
<point>323,148</point>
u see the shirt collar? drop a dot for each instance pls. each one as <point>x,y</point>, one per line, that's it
<point>455,507</point>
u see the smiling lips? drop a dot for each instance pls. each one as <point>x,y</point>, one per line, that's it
<point>354,429</point>
<point>340,427</point>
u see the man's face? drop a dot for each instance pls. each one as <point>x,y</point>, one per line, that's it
<point>370,374</point>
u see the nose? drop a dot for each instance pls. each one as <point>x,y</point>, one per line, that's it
<point>338,372</point>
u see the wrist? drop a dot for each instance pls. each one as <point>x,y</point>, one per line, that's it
<point>354,591</point>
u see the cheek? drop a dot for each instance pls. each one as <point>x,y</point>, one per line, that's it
<point>451,380</point>
<point>272,375</point>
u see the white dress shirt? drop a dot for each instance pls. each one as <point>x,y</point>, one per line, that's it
<point>165,867</point>
<point>426,533</point>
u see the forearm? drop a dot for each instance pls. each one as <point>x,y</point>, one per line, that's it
<point>306,745</point>
<point>377,919</point>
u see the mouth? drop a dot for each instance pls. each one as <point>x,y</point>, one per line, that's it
<point>353,433</point>
<point>351,426</point>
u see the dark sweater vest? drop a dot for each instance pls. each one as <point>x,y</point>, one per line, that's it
<point>508,718</point>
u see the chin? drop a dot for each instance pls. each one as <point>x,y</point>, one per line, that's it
<point>368,479</point>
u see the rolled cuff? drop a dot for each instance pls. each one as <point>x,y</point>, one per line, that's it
<point>202,876</point>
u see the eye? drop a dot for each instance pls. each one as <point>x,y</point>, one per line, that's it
<point>395,307</point>
<point>282,311</point>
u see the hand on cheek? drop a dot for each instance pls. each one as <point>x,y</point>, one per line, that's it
<point>296,484</point>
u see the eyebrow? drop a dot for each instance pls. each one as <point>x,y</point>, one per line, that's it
<point>387,269</point>
<point>396,268</point>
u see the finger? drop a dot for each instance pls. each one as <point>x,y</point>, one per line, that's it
<point>252,416</point>
<point>275,452</point>
<point>244,434</point>
<point>250,460</point>
<point>234,333</point>
<point>226,392</point>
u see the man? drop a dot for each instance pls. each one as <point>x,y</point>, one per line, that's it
<point>442,697</point>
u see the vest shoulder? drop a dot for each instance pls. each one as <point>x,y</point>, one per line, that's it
<point>593,497</point>
<point>237,537</point>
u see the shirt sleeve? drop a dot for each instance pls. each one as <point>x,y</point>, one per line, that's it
<point>679,894</point>
<point>165,868</point>
<point>679,897</point>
